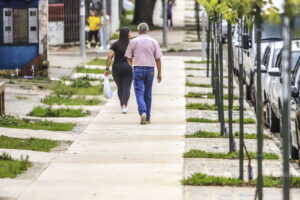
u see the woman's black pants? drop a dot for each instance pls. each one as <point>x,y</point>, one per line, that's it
<point>122,73</point>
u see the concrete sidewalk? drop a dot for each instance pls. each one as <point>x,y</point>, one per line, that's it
<point>116,158</point>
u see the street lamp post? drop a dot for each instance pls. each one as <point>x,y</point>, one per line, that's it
<point>82,29</point>
<point>104,24</point>
<point>165,25</point>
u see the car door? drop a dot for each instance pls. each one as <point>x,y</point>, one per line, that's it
<point>265,62</point>
<point>273,86</point>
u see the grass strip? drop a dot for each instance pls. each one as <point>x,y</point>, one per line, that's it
<point>201,106</point>
<point>8,121</point>
<point>207,95</point>
<point>61,100</point>
<point>195,62</point>
<point>90,70</point>
<point>205,120</point>
<point>62,89</point>
<point>33,144</point>
<point>199,179</point>
<point>233,155</point>
<point>192,68</point>
<point>98,61</point>
<point>188,84</point>
<point>206,134</point>
<point>10,168</point>
<point>61,112</point>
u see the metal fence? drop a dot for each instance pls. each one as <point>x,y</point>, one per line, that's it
<point>2,103</point>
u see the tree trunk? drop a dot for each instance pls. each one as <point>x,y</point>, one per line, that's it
<point>143,11</point>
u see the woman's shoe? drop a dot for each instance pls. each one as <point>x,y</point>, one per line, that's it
<point>124,110</point>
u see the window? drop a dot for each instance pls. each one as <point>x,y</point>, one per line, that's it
<point>295,74</point>
<point>20,23</point>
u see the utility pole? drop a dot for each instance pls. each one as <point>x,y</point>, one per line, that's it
<point>203,18</point>
<point>221,97</point>
<point>165,25</point>
<point>286,94</point>
<point>82,29</point>
<point>104,24</point>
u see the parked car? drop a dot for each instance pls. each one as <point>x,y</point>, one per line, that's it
<point>275,90</point>
<point>224,30</point>
<point>268,62</point>
<point>236,44</point>
<point>295,136</point>
<point>270,32</point>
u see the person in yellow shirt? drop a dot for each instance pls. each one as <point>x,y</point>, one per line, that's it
<point>94,25</point>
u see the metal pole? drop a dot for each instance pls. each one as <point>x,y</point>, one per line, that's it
<point>259,106</point>
<point>230,86</point>
<point>286,94</point>
<point>203,32</point>
<point>197,19</point>
<point>221,97</point>
<point>217,81</point>
<point>165,23</point>
<point>82,29</point>
<point>241,99</point>
<point>104,24</point>
<point>213,57</point>
<point>208,48</point>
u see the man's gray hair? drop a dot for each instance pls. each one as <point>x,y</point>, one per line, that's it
<point>143,27</point>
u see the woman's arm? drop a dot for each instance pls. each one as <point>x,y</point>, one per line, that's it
<point>108,61</point>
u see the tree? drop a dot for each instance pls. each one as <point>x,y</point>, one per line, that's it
<point>143,11</point>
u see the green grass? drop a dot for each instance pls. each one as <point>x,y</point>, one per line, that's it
<point>199,179</point>
<point>61,100</point>
<point>193,68</point>
<point>13,122</point>
<point>207,95</point>
<point>62,89</point>
<point>234,155</point>
<point>98,61</point>
<point>61,112</point>
<point>205,120</point>
<point>90,70</point>
<point>188,84</point>
<point>21,98</point>
<point>125,22</point>
<point>195,62</point>
<point>10,168</point>
<point>33,144</point>
<point>201,106</point>
<point>206,134</point>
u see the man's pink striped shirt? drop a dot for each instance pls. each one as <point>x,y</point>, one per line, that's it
<point>144,51</point>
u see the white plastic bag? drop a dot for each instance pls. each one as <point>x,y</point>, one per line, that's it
<point>107,89</point>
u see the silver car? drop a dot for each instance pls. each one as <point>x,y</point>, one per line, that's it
<point>268,63</point>
<point>275,90</point>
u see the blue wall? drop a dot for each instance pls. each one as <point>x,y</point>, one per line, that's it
<point>19,55</point>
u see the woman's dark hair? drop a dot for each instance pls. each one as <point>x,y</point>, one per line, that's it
<point>123,41</point>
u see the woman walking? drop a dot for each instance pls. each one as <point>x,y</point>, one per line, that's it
<point>121,70</point>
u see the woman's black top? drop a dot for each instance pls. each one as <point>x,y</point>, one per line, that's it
<point>119,55</point>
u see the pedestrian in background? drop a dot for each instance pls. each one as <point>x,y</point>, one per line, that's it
<point>121,70</point>
<point>170,5</point>
<point>143,53</point>
<point>104,38</point>
<point>94,26</point>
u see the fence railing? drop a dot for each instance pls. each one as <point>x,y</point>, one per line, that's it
<point>2,103</point>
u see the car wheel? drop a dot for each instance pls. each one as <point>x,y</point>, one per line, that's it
<point>267,115</point>
<point>253,97</point>
<point>274,121</point>
<point>248,92</point>
<point>293,150</point>
<point>297,138</point>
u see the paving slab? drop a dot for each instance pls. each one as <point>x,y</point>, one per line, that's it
<point>214,114</point>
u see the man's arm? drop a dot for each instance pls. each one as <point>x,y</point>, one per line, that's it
<point>158,65</point>
<point>129,60</point>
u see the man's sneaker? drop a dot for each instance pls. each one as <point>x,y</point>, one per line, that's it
<point>143,119</point>
<point>148,122</point>
<point>124,110</point>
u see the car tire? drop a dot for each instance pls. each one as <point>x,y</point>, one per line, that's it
<point>293,150</point>
<point>297,139</point>
<point>267,115</point>
<point>248,92</point>
<point>252,96</point>
<point>274,121</point>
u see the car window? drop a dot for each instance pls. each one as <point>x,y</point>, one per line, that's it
<point>268,58</point>
<point>278,62</point>
<point>295,57</point>
<point>264,60</point>
<point>296,72</point>
<point>276,52</point>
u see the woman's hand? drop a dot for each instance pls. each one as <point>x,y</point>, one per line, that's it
<point>106,73</point>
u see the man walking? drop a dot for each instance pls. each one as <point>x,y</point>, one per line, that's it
<point>143,53</point>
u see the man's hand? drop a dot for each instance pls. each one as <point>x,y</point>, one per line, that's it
<point>159,78</point>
